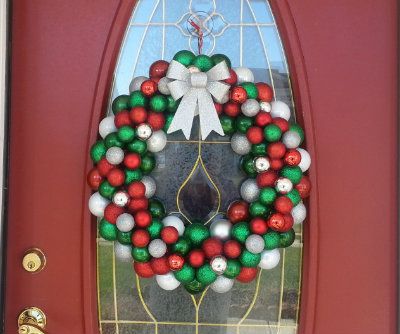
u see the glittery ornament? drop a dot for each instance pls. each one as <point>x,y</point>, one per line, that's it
<point>218,264</point>
<point>143,269</point>
<point>267,195</point>
<point>185,57</point>
<point>283,205</point>
<point>158,103</point>
<point>287,238</point>
<point>182,246</point>
<point>163,86</point>
<point>232,268</point>
<point>247,165</point>
<point>305,161</point>
<point>137,146</point>
<point>222,284</point>
<point>111,212</point>
<point>132,175</point>
<point>203,62</point>
<point>140,254</point>
<point>122,252</point>
<point>144,131</point>
<point>257,209</point>
<point>136,83</point>
<point>106,190</point>
<point>107,231</point>
<point>255,135</point>
<point>276,150</point>
<point>137,99</point>
<point>126,134</point>
<point>212,247</point>
<point>124,237</point>
<point>196,233</point>
<point>113,140</point>
<point>217,58</point>
<point>196,258</point>
<point>138,115</point>
<point>297,128</point>
<point>280,109</point>
<point>265,92</point>
<point>156,120</point>
<point>221,228</point>
<point>258,225</point>
<point>98,151</point>
<point>281,123</point>
<point>97,204</point>
<point>247,274</point>
<point>148,163</point>
<point>169,234</point>
<point>259,149</point>
<point>167,282</point>
<point>185,275</point>
<point>142,218</point>
<point>292,158</point>
<point>175,262</point>
<point>243,123</point>
<point>249,190</point>
<point>254,243</point>
<point>175,222</point>
<point>272,133</point>
<point>157,248</point>
<point>157,141</point>
<point>294,196</point>
<point>250,107</point>
<point>304,187</point>
<point>228,124</point>
<point>266,107</point>
<point>269,259</point>
<point>148,88</point>
<point>120,103</point>
<point>107,126</point>
<point>299,213</point>
<point>240,232</point>
<point>232,109</point>
<point>261,164</point>
<point>132,160</point>
<point>155,228</point>
<point>156,208</point>
<point>150,186</point>
<point>160,265</point>
<point>283,185</point>
<point>158,69</point>
<point>238,211</point>
<point>205,274</point>
<point>194,287</point>
<point>291,139</point>
<point>271,240</point>
<point>125,222</point>
<point>293,173</point>
<point>238,94</point>
<point>116,177</point>
<point>266,179</point>
<point>140,238</point>
<point>115,155</point>
<point>232,249</point>
<point>248,259</point>
<point>251,90</point>
<point>244,74</point>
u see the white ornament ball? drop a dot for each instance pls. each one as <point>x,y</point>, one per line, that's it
<point>283,185</point>
<point>167,282</point>
<point>255,243</point>
<point>144,131</point>
<point>249,190</point>
<point>157,141</point>
<point>280,109</point>
<point>291,139</point>
<point>269,259</point>
<point>150,186</point>
<point>265,106</point>
<point>261,164</point>
<point>120,198</point>
<point>224,99</point>
<point>305,161</point>
<point>218,264</point>
<point>136,83</point>
<point>122,252</point>
<point>244,74</point>
<point>175,222</point>
<point>125,222</point>
<point>250,107</point>
<point>107,126</point>
<point>222,284</point>
<point>97,204</point>
<point>157,248</point>
<point>115,155</point>
<point>221,229</point>
<point>163,86</point>
<point>240,144</point>
<point>299,213</point>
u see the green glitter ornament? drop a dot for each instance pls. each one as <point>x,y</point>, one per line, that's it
<point>182,246</point>
<point>185,57</point>
<point>293,173</point>
<point>112,140</point>
<point>243,123</point>
<point>267,195</point>
<point>106,189</point>
<point>120,103</point>
<point>294,196</point>
<point>98,151</point>
<point>155,228</point>
<point>140,254</point>
<point>257,209</point>
<point>240,232</point>
<point>156,208</point>
<point>259,149</point>
<point>203,63</point>
<point>248,259</point>
<point>168,121</point>
<point>247,165</point>
<point>107,230</point>
<point>197,233</point>
<point>194,287</point>
<point>232,269</point>
<point>185,275</point>
<point>287,238</point>
<point>158,103</point>
<point>172,105</point>
<point>148,163</point>
<point>217,58</point>
<point>297,128</point>
<point>228,124</point>
<point>271,240</point>
<point>206,275</point>
<point>251,89</point>
<point>126,134</point>
<point>137,146</point>
<point>124,238</point>
<point>137,99</point>
<point>133,175</point>
<point>272,133</point>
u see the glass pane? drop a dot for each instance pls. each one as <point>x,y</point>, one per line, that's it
<point>193,179</point>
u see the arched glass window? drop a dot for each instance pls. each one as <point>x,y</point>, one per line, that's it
<point>244,30</point>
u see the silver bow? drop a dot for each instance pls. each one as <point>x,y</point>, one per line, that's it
<point>196,90</point>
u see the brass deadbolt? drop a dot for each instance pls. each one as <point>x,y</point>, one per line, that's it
<point>34,260</point>
<point>31,321</point>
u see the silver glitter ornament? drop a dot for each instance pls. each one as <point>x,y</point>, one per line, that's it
<point>136,83</point>
<point>283,185</point>
<point>123,252</point>
<point>150,185</point>
<point>107,126</point>
<point>163,86</point>
<point>121,198</point>
<point>218,264</point>
<point>115,155</point>
<point>305,161</point>
<point>125,222</point>
<point>255,243</point>
<point>221,229</point>
<point>222,284</point>
<point>249,190</point>
<point>244,74</point>
<point>250,107</point>
<point>280,109</point>
<point>269,259</point>
<point>167,282</point>
<point>261,164</point>
<point>144,131</point>
<point>97,204</point>
<point>299,213</point>
<point>157,141</point>
<point>240,143</point>
<point>157,248</point>
<point>291,139</point>
<point>265,106</point>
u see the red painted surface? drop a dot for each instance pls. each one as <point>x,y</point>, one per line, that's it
<point>343,60</point>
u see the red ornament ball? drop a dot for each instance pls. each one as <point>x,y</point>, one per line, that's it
<point>138,115</point>
<point>263,119</point>
<point>276,222</point>
<point>121,119</point>
<point>219,108</point>
<point>232,80</point>
<point>276,150</point>
<point>142,218</point>
<point>292,158</point>
<point>158,69</point>
<point>104,167</point>
<point>255,135</point>
<point>265,92</point>
<point>266,179</point>
<point>143,269</point>
<point>140,238</point>
<point>289,221</point>
<point>276,164</point>
<point>238,94</point>
<point>132,160</point>
<point>137,189</point>
<point>160,265</point>
<point>148,88</point>
<point>196,258</point>
<point>238,211</point>
<point>304,187</point>
<point>212,247</point>
<point>281,123</point>
<point>175,262</point>
<point>231,109</point>
<point>169,234</point>
<point>283,205</point>
<point>247,274</point>
<point>94,178</point>
<point>232,249</point>
<point>156,120</point>
<point>111,212</point>
<point>258,226</point>
<point>116,177</point>
<point>138,204</point>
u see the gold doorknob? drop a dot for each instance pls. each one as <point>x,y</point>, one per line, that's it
<point>33,260</point>
<point>32,320</point>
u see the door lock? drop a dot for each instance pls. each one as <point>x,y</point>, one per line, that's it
<point>32,320</point>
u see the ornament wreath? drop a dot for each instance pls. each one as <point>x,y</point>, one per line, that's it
<point>254,228</point>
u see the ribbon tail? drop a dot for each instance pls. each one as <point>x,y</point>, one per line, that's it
<point>183,118</point>
<point>209,120</point>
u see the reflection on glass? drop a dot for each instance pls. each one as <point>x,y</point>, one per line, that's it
<point>193,178</point>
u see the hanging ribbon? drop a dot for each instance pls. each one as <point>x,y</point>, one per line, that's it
<point>197,90</point>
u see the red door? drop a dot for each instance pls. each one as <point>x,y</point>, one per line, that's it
<point>342,57</point>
